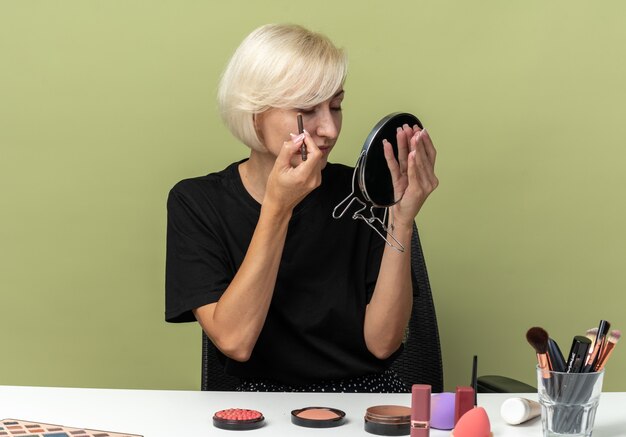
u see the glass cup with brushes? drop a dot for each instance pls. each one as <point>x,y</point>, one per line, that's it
<point>569,390</point>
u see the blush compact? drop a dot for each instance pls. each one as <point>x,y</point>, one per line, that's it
<point>238,419</point>
<point>317,417</point>
<point>388,420</point>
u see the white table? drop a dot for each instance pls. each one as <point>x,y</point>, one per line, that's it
<point>161,413</point>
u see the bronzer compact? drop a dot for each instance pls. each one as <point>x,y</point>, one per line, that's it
<point>388,420</point>
<point>317,417</point>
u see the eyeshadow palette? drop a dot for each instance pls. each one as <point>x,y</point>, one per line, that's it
<point>22,428</point>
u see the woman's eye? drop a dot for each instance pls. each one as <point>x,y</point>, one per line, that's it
<point>306,110</point>
<point>336,108</point>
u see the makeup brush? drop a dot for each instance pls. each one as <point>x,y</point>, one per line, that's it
<point>581,392</point>
<point>603,330</point>
<point>538,339</point>
<point>608,350</point>
<point>557,362</point>
<point>591,334</point>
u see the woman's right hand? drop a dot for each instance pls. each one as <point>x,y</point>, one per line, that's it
<point>291,178</point>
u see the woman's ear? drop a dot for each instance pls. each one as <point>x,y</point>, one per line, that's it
<point>256,121</point>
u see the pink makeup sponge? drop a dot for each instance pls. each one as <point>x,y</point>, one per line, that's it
<point>442,410</point>
<point>474,423</point>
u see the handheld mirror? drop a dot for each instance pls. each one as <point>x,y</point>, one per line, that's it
<point>372,186</point>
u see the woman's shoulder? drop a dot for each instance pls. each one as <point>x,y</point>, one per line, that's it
<point>207,198</point>
<point>206,184</point>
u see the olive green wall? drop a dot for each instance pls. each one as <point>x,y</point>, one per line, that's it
<point>104,105</point>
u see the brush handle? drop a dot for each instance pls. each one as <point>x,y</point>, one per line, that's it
<point>556,356</point>
<point>600,343</point>
<point>606,353</point>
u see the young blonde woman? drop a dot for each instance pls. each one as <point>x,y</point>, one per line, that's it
<point>294,299</point>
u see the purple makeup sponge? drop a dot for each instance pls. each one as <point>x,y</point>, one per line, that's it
<point>442,410</point>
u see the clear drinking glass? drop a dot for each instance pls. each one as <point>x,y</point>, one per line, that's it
<point>568,402</point>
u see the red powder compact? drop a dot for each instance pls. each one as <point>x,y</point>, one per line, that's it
<point>238,419</point>
<point>317,417</point>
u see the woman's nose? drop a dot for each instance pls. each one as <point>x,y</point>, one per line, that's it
<point>327,125</point>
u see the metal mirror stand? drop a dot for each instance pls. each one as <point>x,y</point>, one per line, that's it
<point>362,208</point>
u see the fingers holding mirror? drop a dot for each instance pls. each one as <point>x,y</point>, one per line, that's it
<point>381,171</point>
<point>422,138</point>
<point>397,168</point>
<point>422,178</point>
<point>403,135</point>
<point>381,178</point>
<point>412,149</point>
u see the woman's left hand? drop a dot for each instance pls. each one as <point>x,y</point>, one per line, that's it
<point>413,173</point>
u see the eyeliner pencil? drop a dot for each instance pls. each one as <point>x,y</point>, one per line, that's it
<point>475,379</point>
<point>303,151</point>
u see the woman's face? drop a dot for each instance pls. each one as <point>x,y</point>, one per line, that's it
<point>322,122</point>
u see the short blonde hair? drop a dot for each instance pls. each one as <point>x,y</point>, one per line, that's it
<point>278,66</point>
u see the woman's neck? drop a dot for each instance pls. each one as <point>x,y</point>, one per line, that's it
<point>254,173</point>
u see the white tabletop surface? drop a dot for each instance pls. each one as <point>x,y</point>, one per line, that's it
<point>165,413</point>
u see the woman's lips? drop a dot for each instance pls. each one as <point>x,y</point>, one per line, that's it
<point>325,149</point>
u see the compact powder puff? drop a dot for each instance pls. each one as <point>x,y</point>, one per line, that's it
<point>238,419</point>
<point>388,420</point>
<point>317,417</point>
